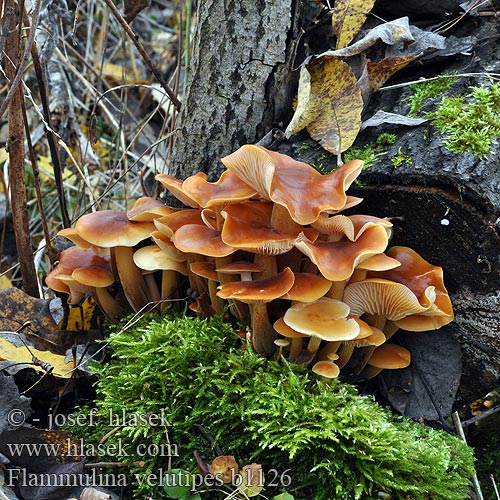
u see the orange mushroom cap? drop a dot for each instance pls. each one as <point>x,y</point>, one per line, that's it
<point>326,369</point>
<point>260,290</point>
<point>308,288</point>
<point>289,183</point>
<point>247,226</point>
<point>146,209</point>
<point>169,224</point>
<point>174,185</point>
<point>108,228</point>
<point>194,238</point>
<point>228,189</point>
<point>336,260</point>
<point>324,318</point>
<point>390,356</point>
<point>377,296</point>
<point>427,283</point>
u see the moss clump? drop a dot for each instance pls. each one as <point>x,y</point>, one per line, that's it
<point>470,122</point>
<point>401,158</point>
<point>330,442</point>
<point>427,90</point>
<point>372,151</point>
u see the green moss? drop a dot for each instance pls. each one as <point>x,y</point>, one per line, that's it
<point>470,123</point>
<point>427,90</point>
<point>326,439</point>
<point>401,158</point>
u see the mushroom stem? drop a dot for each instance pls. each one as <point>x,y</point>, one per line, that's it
<point>154,293</point>
<point>296,346</point>
<point>345,353</point>
<point>337,290</point>
<point>390,329</point>
<point>263,334</point>
<point>169,283</point>
<point>370,372</point>
<point>238,309</point>
<point>313,345</point>
<point>329,348</point>
<point>280,219</point>
<point>358,275</point>
<point>109,306</point>
<point>131,278</point>
<point>376,320</point>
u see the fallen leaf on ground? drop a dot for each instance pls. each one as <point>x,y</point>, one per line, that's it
<point>329,104</point>
<point>347,18</point>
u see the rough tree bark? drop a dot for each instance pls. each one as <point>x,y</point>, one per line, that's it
<point>240,80</point>
<point>445,205</point>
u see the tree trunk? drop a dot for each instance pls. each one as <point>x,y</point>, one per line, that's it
<point>240,79</point>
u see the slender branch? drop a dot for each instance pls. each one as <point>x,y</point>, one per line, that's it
<point>143,53</point>
<point>24,60</point>
<point>16,160</point>
<point>51,137</point>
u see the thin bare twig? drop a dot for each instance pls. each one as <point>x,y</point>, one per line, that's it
<point>143,53</point>
<point>24,60</point>
<point>460,431</point>
<point>16,158</point>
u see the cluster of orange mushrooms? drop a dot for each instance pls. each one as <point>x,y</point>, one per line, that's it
<point>267,241</point>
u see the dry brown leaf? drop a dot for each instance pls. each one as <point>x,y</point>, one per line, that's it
<point>380,72</point>
<point>347,18</point>
<point>329,104</point>
<point>395,32</point>
<point>252,480</point>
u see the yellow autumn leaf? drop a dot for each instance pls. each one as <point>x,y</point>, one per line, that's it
<point>47,171</point>
<point>5,282</point>
<point>329,104</point>
<point>119,74</point>
<point>347,18</point>
<point>79,317</point>
<point>3,155</point>
<point>21,354</point>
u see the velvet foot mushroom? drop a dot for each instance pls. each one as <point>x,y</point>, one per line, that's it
<point>257,294</point>
<point>113,230</point>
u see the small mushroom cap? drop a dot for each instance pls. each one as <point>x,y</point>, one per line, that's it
<point>70,259</point>
<point>259,290</point>
<point>379,262</point>
<point>108,228</point>
<point>165,243</point>
<point>204,269</point>
<point>384,297</point>
<point>169,224</point>
<point>194,238</point>
<point>174,185</point>
<point>282,342</point>
<point>426,282</point>
<point>326,369</point>
<point>247,226</point>
<point>390,356</point>
<point>153,258</point>
<point>228,189</point>
<point>146,209</point>
<point>337,260</point>
<point>240,266</point>
<point>72,235</point>
<point>376,338</point>
<point>308,288</point>
<point>352,226</point>
<point>283,329</point>
<point>325,318</point>
<point>95,276</point>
